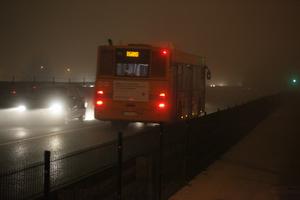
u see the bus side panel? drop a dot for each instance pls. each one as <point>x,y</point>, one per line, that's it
<point>202,84</point>
<point>183,90</point>
<point>189,90</point>
<point>178,90</point>
<point>198,90</point>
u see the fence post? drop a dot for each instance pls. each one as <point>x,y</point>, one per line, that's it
<point>120,160</point>
<point>47,155</point>
<point>161,150</point>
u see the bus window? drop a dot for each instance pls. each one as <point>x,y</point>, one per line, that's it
<point>132,62</point>
<point>132,69</point>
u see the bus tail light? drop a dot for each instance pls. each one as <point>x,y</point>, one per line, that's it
<point>99,98</point>
<point>162,94</point>
<point>100,92</point>
<point>161,105</point>
<point>99,103</point>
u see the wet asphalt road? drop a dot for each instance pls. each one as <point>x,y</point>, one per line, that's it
<point>23,142</point>
<point>22,145</point>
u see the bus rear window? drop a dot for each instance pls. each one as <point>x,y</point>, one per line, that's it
<point>132,62</point>
<point>132,69</point>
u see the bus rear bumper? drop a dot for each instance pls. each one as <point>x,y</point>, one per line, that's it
<point>133,117</point>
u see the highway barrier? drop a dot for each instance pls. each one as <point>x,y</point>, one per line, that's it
<point>151,166</point>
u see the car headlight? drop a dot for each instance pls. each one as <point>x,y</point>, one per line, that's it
<point>21,108</point>
<point>56,107</point>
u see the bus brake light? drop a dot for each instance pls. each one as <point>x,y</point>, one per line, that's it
<point>161,105</point>
<point>162,94</point>
<point>99,103</point>
<point>100,92</point>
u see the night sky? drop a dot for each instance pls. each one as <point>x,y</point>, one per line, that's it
<point>246,42</point>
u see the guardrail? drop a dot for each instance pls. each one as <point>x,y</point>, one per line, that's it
<point>155,164</point>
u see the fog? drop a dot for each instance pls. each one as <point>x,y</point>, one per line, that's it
<point>246,43</point>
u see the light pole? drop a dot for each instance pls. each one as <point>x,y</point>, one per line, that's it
<point>68,72</point>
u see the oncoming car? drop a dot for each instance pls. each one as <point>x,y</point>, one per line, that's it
<point>51,103</point>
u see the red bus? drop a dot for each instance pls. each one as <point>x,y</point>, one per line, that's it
<point>143,83</point>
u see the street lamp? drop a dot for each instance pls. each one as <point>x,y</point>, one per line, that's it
<point>68,71</point>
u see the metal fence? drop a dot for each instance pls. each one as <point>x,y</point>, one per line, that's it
<point>155,164</point>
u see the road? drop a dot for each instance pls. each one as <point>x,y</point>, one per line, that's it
<point>25,145</point>
<point>24,139</point>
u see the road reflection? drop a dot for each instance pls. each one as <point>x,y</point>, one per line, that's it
<point>20,133</point>
<point>20,150</point>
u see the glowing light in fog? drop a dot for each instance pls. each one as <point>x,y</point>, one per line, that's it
<point>164,52</point>
<point>162,94</point>
<point>152,124</point>
<point>89,114</point>
<point>100,92</point>
<point>139,124</point>
<point>222,84</point>
<point>161,105</point>
<point>56,107</point>
<point>21,108</point>
<point>55,143</point>
<point>99,103</point>
<point>21,134</point>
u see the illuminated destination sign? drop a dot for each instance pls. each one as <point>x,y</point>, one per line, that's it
<point>132,54</point>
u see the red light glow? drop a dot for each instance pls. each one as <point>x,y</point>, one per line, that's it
<point>162,94</point>
<point>100,92</point>
<point>99,103</point>
<point>161,105</point>
<point>164,52</point>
